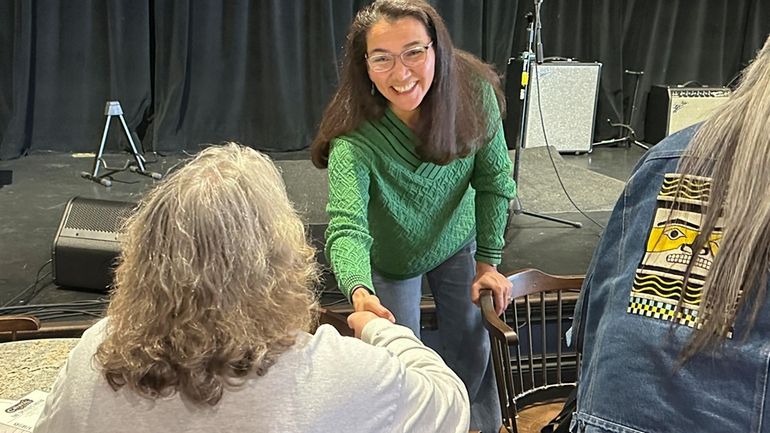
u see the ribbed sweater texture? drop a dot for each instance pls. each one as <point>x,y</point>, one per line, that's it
<point>403,217</point>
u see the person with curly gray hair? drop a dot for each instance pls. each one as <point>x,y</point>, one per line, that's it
<point>209,326</point>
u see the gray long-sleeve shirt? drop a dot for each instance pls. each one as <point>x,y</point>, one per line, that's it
<point>325,383</point>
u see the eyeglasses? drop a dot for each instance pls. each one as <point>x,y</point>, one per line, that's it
<point>384,62</point>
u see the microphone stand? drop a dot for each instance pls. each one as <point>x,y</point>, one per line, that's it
<point>538,34</point>
<point>628,136</point>
<point>533,41</point>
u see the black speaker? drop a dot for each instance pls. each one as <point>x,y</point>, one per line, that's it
<point>86,244</point>
<point>6,177</point>
<point>672,108</point>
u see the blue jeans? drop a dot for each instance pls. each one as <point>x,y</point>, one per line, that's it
<point>463,341</point>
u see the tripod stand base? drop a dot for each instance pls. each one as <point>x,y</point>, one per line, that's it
<point>611,141</point>
<point>150,174</point>
<point>98,179</point>
<point>622,140</point>
<point>515,208</point>
<point>575,224</point>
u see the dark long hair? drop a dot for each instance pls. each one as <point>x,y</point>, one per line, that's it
<point>454,120</point>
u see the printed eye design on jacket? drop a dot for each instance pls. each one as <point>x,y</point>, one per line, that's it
<point>674,242</point>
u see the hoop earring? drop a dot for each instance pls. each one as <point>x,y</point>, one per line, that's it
<point>372,89</point>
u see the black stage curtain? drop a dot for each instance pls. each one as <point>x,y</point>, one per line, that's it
<point>671,41</point>
<point>260,72</point>
<point>60,62</point>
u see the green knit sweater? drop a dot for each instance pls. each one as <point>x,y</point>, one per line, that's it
<point>403,217</point>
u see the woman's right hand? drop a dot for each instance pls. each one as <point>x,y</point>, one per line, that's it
<point>365,301</point>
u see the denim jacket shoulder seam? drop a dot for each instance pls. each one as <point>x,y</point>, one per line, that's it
<point>665,154</point>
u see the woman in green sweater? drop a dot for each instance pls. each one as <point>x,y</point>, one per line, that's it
<point>419,183</point>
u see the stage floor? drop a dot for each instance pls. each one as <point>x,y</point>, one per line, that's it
<point>43,182</point>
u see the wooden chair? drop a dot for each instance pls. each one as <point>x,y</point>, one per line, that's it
<point>337,320</point>
<point>14,324</point>
<point>534,369</point>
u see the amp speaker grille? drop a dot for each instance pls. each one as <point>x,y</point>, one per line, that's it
<point>101,216</point>
<point>86,245</point>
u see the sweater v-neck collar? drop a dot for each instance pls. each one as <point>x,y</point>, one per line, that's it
<point>407,140</point>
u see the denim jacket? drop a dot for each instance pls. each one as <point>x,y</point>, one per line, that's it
<point>632,333</point>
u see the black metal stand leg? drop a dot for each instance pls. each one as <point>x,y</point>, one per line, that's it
<point>516,208</point>
<point>100,152</point>
<point>575,224</point>
<point>137,156</point>
<point>139,168</point>
<point>610,141</point>
<point>94,175</point>
<point>629,137</point>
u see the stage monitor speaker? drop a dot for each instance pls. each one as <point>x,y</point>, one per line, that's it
<point>672,108</point>
<point>566,94</point>
<point>6,177</point>
<point>86,244</point>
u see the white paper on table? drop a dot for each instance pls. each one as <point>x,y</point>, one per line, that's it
<point>17,416</point>
<point>6,428</point>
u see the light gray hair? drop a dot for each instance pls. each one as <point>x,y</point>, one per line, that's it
<point>215,279</point>
<point>733,148</point>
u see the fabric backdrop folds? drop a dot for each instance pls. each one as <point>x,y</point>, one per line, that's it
<point>260,72</point>
<point>67,59</point>
<point>254,72</point>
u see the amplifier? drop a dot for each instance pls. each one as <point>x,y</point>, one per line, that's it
<point>86,244</point>
<point>671,108</point>
<point>6,177</point>
<point>565,94</point>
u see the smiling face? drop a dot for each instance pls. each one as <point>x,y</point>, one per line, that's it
<point>671,240</point>
<point>403,86</point>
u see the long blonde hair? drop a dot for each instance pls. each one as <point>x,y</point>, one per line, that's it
<point>733,148</point>
<point>214,281</point>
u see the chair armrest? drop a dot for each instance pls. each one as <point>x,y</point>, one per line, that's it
<point>496,326</point>
<point>337,320</point>
<point>19,323</point>
<point>14,324</point>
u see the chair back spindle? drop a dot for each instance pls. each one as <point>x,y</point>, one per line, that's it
<point>532,364</point>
